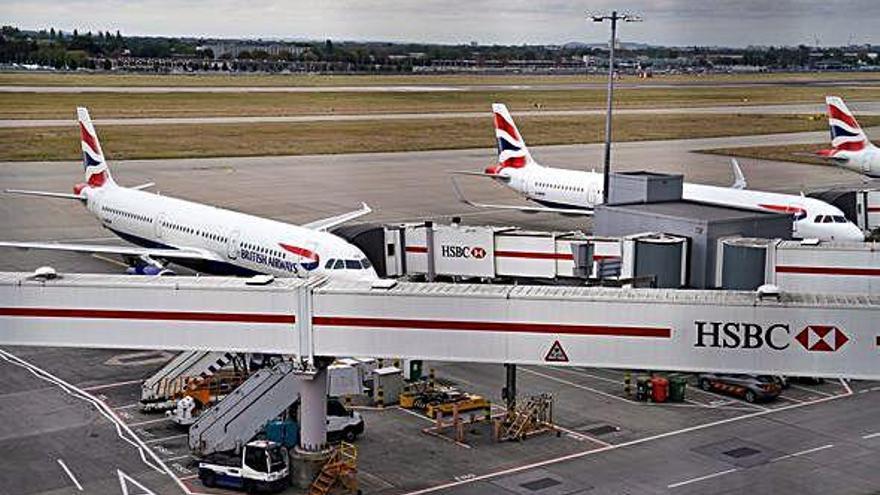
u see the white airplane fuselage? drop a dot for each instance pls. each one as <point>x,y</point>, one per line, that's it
<point>246,244</point>
<point>866,161</point>
<point>555,187</point>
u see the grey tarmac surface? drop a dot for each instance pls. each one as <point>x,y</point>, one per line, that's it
<point>396,457</point>
<point>409,88</point>
<point>858,107</point>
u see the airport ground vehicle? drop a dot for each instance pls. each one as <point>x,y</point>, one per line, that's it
<point>260,466</point>
<point>749,387</point>
<point>342,423</point>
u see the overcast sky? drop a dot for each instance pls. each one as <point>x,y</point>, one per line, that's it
<point>667,22</point>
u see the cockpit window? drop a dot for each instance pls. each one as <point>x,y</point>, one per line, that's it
<point>366,263</point>
<point>818,218</point>
<point>839,219</point>
<point>339,265</point>
<point>353,264</point>
<point>329,264</point>
<point>827,219</point>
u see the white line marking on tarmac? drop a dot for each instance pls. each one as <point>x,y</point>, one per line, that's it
<point>111,385</point>
<point>803,452</point>
<point>172,459</point>
<point>871,435</point>
<point>163,439</point>
<point>701,478</point>
<point>413,413</point>
<point>576,385</point>
<point>149,422</point>
<point>69,474</point>
<point>846,386</point>
<point>127,406</point>
<point>638,441</point>
<point>790,399</point>
<point>811,390</point>
<point>121,428</point>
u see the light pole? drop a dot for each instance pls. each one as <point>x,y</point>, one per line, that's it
<point>614,17</point>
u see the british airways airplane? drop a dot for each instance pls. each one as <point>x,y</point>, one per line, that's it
<point>850,147</point>
<point>201,237</point>
<point>578,192</point>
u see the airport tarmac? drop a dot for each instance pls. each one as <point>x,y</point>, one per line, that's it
<point>818,439</point>
<point>858,107</point>
<point>410,88</point>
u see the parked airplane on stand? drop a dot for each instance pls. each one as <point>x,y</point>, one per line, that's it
<point>204,238</point>
<point>850,147</point>
<point>578,192</point>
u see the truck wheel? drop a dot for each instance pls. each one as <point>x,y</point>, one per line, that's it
<point>750,396</point>
<point>209,480</point>
<point>349,435</point>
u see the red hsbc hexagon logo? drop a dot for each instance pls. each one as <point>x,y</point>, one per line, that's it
<point>824,338</point>
<point>478,253</point>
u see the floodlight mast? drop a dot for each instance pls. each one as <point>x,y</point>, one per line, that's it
<point>614,17</point>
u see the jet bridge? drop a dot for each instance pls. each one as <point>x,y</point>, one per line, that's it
<point>658,329</point>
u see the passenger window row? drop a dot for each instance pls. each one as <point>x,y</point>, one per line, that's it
<point>560,187</point>
<point>193,231</point>
<point>264,250</point>
<point>126,214</point>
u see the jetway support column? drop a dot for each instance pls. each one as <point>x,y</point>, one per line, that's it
<point>312,452</point>
<point>509,391</point>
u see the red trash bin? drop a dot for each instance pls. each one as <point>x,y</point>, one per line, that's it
<point>660,389</point>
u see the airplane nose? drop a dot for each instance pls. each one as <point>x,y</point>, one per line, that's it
<point>851,233</point>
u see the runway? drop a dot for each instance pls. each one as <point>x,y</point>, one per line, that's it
<point>410,88</point>
<point>859,107</point>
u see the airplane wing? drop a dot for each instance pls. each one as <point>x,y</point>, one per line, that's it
<point>188,253</point>
<point>524,209</point>
<point>45,194</point>
<point>330,222</point>
<point>822,156</point>
<point>739,178</point>
<point>503,178</point>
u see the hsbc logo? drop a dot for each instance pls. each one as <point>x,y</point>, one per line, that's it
<point>823,338</point>
<point>475,252</point>
<point>777,337</point>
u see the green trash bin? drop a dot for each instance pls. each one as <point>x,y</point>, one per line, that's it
<point>642,391</point>
<point>677,386</point>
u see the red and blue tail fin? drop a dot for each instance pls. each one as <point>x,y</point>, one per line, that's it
<point>846,133</point>
<point>96,171</point>
<point>512,150</point>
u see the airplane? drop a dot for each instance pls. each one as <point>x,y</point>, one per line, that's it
<point>850,147</point>
<point>205,238</point>
<point>575,192</point>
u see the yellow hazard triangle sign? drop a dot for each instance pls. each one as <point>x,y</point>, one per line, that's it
<point>556,354</point>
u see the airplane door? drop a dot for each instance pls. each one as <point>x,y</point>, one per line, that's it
<point>232,245</point>
<point>157,226</point>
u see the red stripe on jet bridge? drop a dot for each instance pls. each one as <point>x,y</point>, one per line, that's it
<point>533,255</point>
<point>119,314</point>
<point>873,208</point>
<point>489,326</point>
<point>829,270</point>
<point>416,249</point>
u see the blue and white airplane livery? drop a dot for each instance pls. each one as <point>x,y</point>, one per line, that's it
<point>204,238</point>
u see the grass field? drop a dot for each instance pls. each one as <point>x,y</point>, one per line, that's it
<point>84,79</point>
<point>125,142</point>
<point>108,105</point>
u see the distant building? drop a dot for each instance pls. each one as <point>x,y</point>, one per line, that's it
<point>234,48</point>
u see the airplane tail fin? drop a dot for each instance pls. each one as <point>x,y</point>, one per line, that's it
<point>512,150</point>
<point>97,173</point>
<point>846,133</point>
